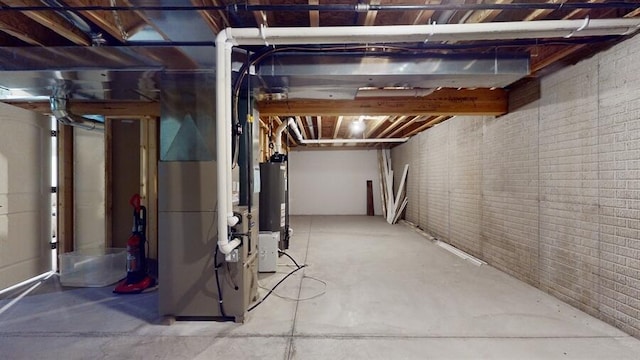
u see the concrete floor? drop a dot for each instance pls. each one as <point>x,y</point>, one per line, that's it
<point>390,294</point>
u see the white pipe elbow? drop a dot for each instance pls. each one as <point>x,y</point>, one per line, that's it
<point>226,247</point>
<point>232,220</point>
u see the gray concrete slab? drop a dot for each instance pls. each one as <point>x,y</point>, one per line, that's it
<point>390,293</point>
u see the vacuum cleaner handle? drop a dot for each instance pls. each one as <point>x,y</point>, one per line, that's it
<point>135,202</point>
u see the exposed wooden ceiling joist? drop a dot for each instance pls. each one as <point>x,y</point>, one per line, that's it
<point>110,108</point>
<point>486,15</point>
<point>421,17</point>
<point>336,126</point>
<point>442,102</point>
<point>370,16</point>
<point>216,23</point>
<point>436,120</point>
<point>53,21</point>
<point>314,16</point>
<point>27,30</point>
<point>540,13</point>
<point>117,23</point>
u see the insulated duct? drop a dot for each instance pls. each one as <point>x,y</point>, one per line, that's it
<point>60,112</point>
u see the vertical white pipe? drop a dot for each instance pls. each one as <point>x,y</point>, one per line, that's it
<point>223,142</point>
<point>227,132</point>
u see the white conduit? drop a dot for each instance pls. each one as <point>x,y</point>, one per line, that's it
<point>230,37</point>
<point>355,141</point>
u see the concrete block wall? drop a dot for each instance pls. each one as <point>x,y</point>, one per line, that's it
<point>437,180</point>
<point>510,213</point>
<point>465,175</point>
<point>568,170</point>
<point>550,193</point>
<point>619,185</point>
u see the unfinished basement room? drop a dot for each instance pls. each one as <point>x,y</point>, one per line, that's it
<point>315,179</point>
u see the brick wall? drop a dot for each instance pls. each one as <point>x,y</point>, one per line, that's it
<point>510,217</point>
<point>465,175</point>
<point>568,169</point>
<point>437,180</point>
<point>549,193</point>
<point>619,185</point>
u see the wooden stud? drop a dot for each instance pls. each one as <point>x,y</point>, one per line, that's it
<point>65,212</point>
<point>108,178</point>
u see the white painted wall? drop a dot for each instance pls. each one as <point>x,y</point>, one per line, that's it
<point>89,188</point>
<point>333,182</point>
<point>25,196</point>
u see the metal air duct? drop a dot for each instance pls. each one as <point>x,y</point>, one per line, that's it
<point>60,112</point>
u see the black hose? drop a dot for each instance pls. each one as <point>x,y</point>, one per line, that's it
<point>289,256</point>
<point>216,267</point>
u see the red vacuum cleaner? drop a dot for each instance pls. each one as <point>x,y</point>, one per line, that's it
<point>137,279</point>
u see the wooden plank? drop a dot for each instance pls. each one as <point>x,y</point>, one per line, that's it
<point>108,179</point>
<point>523,92</point>
<point>21,27</point>
<point>336,128</point>
<point>133,108</point>
<point>65,189</point>
<point>53,21</point>
<point>149,132</point>
<point>302,128</point>
<point>314,16</point>
<point>428,124</point>
<point>442,102</point>
<point>420,17</point>
<point>117,24</point>
<point>216,23</point>
<point>486,15</point>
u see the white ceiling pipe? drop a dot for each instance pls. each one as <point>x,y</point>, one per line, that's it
<point>294,126</point>
<point>435,32</point>
<point>355,141</point>
<point>278,134</point>
<point>230,37</point>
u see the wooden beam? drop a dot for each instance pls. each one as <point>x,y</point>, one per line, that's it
<point>398,121</point>
<point>106,108</point>
<point>215,23</point>
<point>314,16</point>
<point>540,13</point>
<point>108,180</point>
<point>117,24</point>
<point>523,92</point>
<point>441,102</point>
<point>21,27</point>
<point>302,128</point>
<point>336,127</point>
<point>65,192</point>
<point>53,21</point>
<point>421,17</point>
<point>370,17</point>
<point>406,125</point>
<point>486,15</point>
<point>428,124</point>
<point>375,127</point>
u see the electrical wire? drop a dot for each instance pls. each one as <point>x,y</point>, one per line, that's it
<point>216,267</point>
<point>289,256</point>
<point>324,290</point>
<point>275,286</point>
